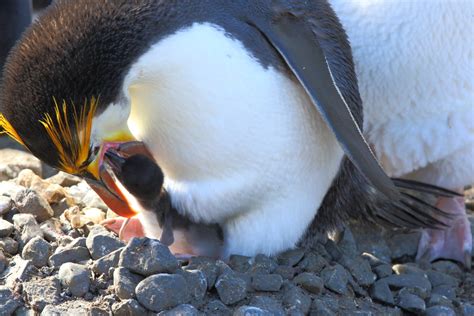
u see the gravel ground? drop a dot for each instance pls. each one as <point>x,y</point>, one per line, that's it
<point>56,260</point>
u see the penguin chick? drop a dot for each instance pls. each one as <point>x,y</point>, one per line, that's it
<point>143,179</point>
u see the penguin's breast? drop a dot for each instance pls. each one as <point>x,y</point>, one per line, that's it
<point>219,122</point>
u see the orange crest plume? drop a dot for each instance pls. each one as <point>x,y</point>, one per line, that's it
<point>9,130</point>
<point>71,142</point>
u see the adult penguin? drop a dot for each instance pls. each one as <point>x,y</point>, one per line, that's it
<point>415,66</point>
<point>247,106</point>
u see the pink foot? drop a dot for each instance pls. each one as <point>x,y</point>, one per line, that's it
<point>133,228</point>
<point>453,242</point>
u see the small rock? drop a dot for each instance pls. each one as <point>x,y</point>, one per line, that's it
<point>373,260</point>
<point>6,228</point>
<point>333,250</point>
<point>267,282</point>
<point>231,288</point>
<point>29,202</point>
<point>380,291</point>
<point>19,270</point>
<point>411,303</point>
<point>439,311</point>
<point>125,283</point>
<point>101,245</point>
<point>408,268</point>
<point>251,311</point>
<point>448,267</point>
<point>68,310</point>
<point>3,261</point>
<point>197,284</point>
<point>128,308</point>
<point>6,204</point>
<point>63,255</point>
<point>416,281</point>
<point>8,302</point>
<point>93,215</point>
<point>403,245</point>
<point>75,277</point>
<point>54,193</point>
<point>310,282</point>
<point>383,270</point>
<point>445,290</point>
<point>438,278</point>
<point>319,308</point>
<point>28,227</point>
<point>346,242</point>
<point>467,309</point>
<point>360,270</point>
<point>13,161</point>
<point>336,279</point>
<point>294,297</point>
<point>147,256</point>
<point>286,272</point>
<point>91,199</point>
<point>42,292</point>
<point>370,239</point>
<point>64,179</point>
<point>291,257</point>
<point>313,262</point>
<point>103,265</point>
<point>216,307</point>
<point>438,299</point>
<point>162,291</point>
<point>264,263</point>
<point>207,266</point>
<point>268,304</point>
<point>183,309</point>
<point>239,263</point>
<point>52,229</point>
<point>38,251</point>
<point>9,245</point>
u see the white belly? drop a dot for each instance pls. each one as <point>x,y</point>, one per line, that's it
<point>234,140</point>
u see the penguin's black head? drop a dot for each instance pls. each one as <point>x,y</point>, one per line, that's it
<point>139,174</point>
<point>63,94</point>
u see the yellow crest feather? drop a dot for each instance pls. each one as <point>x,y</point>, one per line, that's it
<point>7,128</point>
<point>71,142</point>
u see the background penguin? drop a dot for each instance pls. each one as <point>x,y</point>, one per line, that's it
<point>143,179</point>
<point>415,65</point>
<point>247,106</point>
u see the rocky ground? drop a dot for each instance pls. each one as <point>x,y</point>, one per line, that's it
<point>56,260</point>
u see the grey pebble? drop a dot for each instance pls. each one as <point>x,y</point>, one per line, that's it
<point>439,311</point>
<point>286,272</point>
<point>42,292</point>
<point>128,308</point>
<point>38,251</point>
<point>360,270</point>
<point>347,243</point>
<point>29,202</point>
<point>268,304</point>
<point>104,264</point>
<point>264,263</point>
<point>63,255</point>
<point>411,303</point>
<point>52,229</point>
<point>9,245</point>
<point>380,291</point>
<point>239,263</point>
<point>6,204</point>
<point>294,297</point>
<point>3,261</point>
<point>64,179</point>
<point>19,270</point>
<point>333,249</point>
<point>8,302</point>
<point>310,282</point>
<point>197,284</point>
<point>147,256</point>
<point>91,199</point>
<point>438,278</point>
<point>291,257</point>
<point>75,277</point>
<point>415,281</point>
<point>445,290</point>
<point>102,244</point>
<point>383,270</point>
<point>231,288</point>
<point>181,310</point>
<point>313,262</point>
<point>251,311</point>
<point>373,260</point>
<point>6,228</point>
<point>162,291</point>
<point>207,266</point>
<point>216,307</point>
<point>467,309</point>
<point>448,267</point>
<point>438,299</point>
<point>335,279</point>
<point>267,282</point>
<point>77,242</point>
<point>408,268</point>
<point>28,227</point>
<point>319,308</point>
<point>125,283</point>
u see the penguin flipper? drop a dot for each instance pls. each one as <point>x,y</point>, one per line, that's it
<point>299,47</point>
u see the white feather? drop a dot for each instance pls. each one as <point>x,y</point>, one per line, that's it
<point>239,144</point>
<point>414,61</point>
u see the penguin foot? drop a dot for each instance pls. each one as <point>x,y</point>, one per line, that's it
<point>125,230</point>
<point>453,242</point>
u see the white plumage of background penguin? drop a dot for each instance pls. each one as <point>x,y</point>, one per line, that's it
<point>415,66</point>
